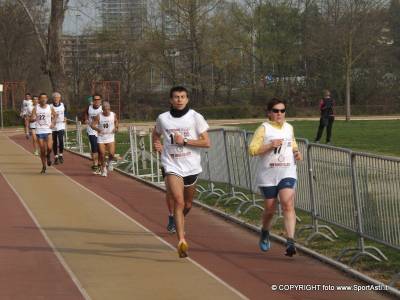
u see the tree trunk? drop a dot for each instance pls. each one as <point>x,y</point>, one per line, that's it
<point>52,48</point>
<point>55,62</point>
<point>348,89</point>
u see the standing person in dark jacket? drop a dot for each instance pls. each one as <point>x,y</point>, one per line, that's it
<point>326,106</point>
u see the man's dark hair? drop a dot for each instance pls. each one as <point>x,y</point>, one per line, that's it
<point>43,94</point>
<point>97,95</point>
<point>178,89</point>
<point>273,102</point>
<point>28,94</point>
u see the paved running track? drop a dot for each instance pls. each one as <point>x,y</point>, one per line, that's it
<point>72,235</point>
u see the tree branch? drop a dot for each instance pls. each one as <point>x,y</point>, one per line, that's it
<point>35,28</point>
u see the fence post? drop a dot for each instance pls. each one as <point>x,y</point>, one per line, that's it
<point>136,151</point>
<point>131,142</point>
<point>151,154</point>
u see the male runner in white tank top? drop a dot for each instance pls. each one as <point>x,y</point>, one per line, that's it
<point>90,113</point>
<point>274,141</point>
<point>106,125</point>
<point>32,125</point>
<point>25,107</point>
<point>184,131</point>
<point>45,118</point>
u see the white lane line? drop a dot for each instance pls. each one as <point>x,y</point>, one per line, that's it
<point>221,281</point>
<point>56,252</point>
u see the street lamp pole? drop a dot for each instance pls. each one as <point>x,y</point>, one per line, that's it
<point>77,75</point>
<point>1,106</point>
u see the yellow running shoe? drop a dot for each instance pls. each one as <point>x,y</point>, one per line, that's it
<point>183,248</point>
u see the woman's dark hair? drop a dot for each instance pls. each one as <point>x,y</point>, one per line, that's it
<point>273,102</point>
<point>43,94</point>
<point>178,89</point>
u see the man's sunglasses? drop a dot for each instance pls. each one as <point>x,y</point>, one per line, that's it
<point>274,110</point>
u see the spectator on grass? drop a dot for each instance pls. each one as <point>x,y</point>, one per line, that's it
<point>327,105</point>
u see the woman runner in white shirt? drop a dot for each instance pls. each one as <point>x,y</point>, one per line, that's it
<point>45,118</point>
<point>274,141</point>
<point>106,125</point>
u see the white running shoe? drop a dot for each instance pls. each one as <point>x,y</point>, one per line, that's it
<point>36,153</point>
<point>104,173</point>
<point>110,166</point>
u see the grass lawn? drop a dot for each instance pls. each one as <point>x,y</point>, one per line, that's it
<point>378,137</point>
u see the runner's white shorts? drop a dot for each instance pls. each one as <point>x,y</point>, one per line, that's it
<point>105,139</point>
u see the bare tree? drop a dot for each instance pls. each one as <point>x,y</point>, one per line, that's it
<point>52,45</point>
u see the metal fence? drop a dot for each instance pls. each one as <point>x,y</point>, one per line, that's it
<point>355,191</point>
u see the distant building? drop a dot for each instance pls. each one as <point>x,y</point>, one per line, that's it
<point>170,18</point>
<point>127,16</point>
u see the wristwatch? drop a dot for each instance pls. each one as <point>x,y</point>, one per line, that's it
<point>185,141</point>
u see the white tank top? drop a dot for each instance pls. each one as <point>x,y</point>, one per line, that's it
<point>60,119</point>
<point>106,123</point>
<point>279,163</point>
<point>92,113</point>
<point>43,119</point>
<point>25,107</point>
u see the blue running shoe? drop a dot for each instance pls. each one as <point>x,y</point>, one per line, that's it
<point>171,224</point>
<point>264,243</point>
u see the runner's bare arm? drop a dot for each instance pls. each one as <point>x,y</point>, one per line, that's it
<point>156,138</point>
<point>202,142</point>
<point>53,118</point>
<point>116,124</point>
<point>296,152</point>
<point>33,116</point>
<point>94,124</point>
<point>86,115</point>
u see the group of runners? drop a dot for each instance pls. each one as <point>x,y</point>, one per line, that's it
<point>179,135</point>
<point>45,123</point>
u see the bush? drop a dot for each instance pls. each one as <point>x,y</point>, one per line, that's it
<point>11,118</point>
<point>232,111</point>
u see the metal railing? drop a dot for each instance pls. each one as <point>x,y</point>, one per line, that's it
<point>355,191</point>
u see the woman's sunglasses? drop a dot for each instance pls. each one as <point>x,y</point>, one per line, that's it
<point>274,110</point>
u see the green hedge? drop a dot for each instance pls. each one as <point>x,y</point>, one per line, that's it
<point>11,118</point>
<point>232,111</point>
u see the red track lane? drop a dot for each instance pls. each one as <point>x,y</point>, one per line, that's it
<point>28,267</point>
<point>226,249</point>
